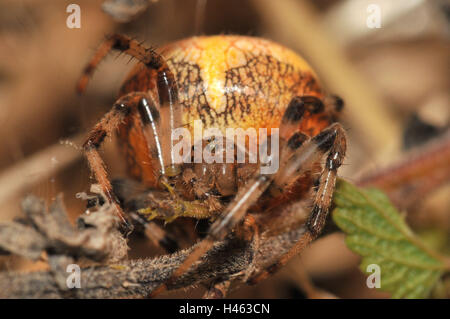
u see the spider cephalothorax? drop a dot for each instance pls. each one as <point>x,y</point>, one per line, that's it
<point>246,84</point>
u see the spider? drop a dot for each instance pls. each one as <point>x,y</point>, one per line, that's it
<point>225,82</point>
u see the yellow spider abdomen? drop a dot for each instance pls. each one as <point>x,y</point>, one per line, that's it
<point>233,81</point>
<point>227,82</point>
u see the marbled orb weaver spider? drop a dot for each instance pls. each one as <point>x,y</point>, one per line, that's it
<point>224,81</point>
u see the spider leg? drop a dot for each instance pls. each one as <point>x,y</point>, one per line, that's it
<point>150,119</point>
<point>157,235</point>
<point>124,44</point>
<point>289,131</point>
<point>248,195</point>
<point>234,213</point>
<point>122,109</point>
<point>294,113</point>
<point>332,141</point>
<point>129,192</point>
<point>170,108</point>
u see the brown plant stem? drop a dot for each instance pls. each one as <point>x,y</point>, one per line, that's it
<point>418,173</point>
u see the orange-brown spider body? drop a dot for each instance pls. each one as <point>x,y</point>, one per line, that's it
<point>222,82</point>
<point>225,81</point>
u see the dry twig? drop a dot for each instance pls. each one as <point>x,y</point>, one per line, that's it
<point>228,259</point>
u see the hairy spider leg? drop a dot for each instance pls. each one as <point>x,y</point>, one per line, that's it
<point>151,121</point>
<point>126,191</point>
<point>170,108</point>
<point>123,108</point>
<point>285,180</point>
<point>289,130</point>
<point>233,214</point>
<point>286,183</point>
<point>248,195</point>
<point>332,140</point>
<point>295,112</point>
<point>157,235</point>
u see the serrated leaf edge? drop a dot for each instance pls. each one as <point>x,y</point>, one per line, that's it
<point>405,230</point>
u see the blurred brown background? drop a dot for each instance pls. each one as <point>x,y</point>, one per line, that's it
<point>394,79</point>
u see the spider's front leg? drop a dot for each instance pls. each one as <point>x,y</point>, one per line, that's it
<point>169,106</point>
<point>332,140</point>
<point>123,108</point>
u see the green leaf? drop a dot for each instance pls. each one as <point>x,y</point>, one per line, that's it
<point>376,231</point>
